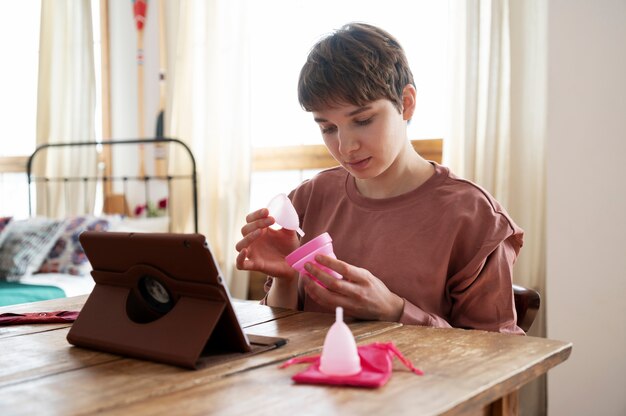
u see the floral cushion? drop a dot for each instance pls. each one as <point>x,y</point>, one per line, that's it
<point>24,244</point>
<point>67,255</point>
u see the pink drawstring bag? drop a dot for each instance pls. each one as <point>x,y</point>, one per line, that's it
<point>38,317</point>
<point>376,367</point>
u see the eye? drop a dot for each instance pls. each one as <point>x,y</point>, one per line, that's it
<point>364,122</point>
<point>328,129</point>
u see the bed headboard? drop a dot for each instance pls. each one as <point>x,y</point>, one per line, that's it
<point>117,180</point>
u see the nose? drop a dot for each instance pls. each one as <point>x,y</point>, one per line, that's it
<point>348,142</point>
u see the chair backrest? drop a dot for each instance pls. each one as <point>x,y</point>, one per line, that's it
<point>527,302</point>
<point>317,156</point>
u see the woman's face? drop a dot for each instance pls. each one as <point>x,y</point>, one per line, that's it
<point>365,140</point>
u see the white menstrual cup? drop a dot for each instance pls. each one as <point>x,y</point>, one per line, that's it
<point>340,356</point>
<point>284,213</point>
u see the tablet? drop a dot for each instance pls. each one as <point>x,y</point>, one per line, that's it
<point>158,296</point>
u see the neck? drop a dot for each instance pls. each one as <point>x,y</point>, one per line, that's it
<point>408,172</point>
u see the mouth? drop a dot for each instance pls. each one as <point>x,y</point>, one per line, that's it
<point>359,164</point>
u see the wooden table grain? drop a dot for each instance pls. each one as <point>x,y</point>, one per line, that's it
<point>466,372</point>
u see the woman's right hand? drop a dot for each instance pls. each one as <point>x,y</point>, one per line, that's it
<point>263,249</point>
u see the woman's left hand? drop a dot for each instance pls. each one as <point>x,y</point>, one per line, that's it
<point>361,294</point>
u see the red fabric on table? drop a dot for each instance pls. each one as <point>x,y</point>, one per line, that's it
<point>38,317</point>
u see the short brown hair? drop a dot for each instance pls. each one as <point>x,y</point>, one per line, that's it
<point>356,64</point>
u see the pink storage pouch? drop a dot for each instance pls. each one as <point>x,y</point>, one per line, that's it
<point>376,367</point>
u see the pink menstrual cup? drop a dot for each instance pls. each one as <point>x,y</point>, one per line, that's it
<point>322,244</point>
<point>284,213</point>
<point>340,356</point>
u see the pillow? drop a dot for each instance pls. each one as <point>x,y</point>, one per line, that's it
<point>4,221</point>
<point>24,244</point>
<point>67,255</point>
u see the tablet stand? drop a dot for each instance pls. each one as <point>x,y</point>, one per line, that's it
<point>118,318</point>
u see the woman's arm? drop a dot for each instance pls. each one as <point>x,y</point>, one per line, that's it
<point>483,299</point>
<point>282,293</point>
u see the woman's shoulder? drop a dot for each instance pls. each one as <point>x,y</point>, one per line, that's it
<point>325,179</point>
<point>475,204</point>
<point>333,174</point>
<point>468,193</point>
<point>326,183</point>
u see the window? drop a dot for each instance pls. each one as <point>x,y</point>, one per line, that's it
<point>19,47</point>
<point>279,47</point>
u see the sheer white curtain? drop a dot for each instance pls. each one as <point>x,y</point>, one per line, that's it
<point>479,145</point>
<point>66,104</point>
<point>208,84</point>
<point>497,136</point>
<point>498,114</point>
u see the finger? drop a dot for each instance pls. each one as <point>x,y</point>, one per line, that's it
<point>352,305</point>
<point>348,271</point>
<point>257,225</point>
<point>330,282</point>
<point>247,240</point>
<point>243,263</point>
<point>241,258</point>
<point>321,295</point>
<point>257,215</point>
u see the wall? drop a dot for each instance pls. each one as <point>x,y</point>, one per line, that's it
<point>586,229</point>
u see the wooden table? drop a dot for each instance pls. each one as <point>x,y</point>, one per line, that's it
<point>466,372</point>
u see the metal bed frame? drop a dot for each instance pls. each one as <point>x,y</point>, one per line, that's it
<point>124,179</point>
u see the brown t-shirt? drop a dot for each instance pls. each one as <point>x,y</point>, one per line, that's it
<point>447,247</point>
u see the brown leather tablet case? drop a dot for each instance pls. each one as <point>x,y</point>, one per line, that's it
<point>159,297</point>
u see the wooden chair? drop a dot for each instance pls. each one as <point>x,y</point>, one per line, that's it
<point>317,156</point>
<point>527,302</point>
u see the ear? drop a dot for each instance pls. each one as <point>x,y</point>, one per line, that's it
<point>408,101</point>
